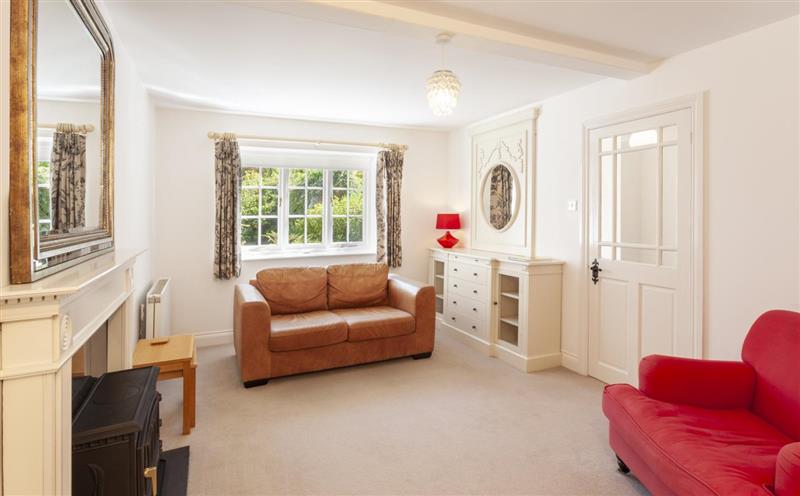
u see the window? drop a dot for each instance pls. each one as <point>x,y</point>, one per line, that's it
<point>302,201</point>
<point>45,146</point>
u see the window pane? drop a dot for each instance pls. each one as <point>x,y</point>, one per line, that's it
<point>249,177</point>
<point>314,177</point>
<point>269,231</point>
<point>339,179</point>
<point>297,231</point>
<point>356,179</point>
<point>314,202</point>
<point>44,228</point>
<point>43,172</point>
<point>269,176</point>
<point>44,203</point>
<point>355,229</point>
<point>249,202</point>
<point>249,231</point>
<point>269,202</point>
<point>314,229</point>
<point>356,202</point>
<point>339,229</point>
<point>339,202</point>
<point>637,190</point>
<point>297,177</point>
<point>297,201</point>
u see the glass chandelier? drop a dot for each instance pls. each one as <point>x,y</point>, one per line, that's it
<point>443,85</point>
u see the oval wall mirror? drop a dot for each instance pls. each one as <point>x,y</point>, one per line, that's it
<point>499,197</point>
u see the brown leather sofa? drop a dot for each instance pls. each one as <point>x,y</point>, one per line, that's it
<point>293,320</point>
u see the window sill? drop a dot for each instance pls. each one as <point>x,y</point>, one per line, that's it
<point>286,255</point>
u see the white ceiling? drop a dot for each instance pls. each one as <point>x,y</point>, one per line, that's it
<point>313,61</point>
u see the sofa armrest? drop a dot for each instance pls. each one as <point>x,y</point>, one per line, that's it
<point>419,300</point>
<point>787,470</point>
<point>702,383</point>
<point>251,328</point>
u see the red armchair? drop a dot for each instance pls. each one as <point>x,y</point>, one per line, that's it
<point>705,427</point>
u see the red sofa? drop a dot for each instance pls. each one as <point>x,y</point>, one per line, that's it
<point>705,427</point>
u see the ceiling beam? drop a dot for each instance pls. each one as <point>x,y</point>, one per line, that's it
<point>601,62</point>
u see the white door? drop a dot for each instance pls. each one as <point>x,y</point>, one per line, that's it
<point>640,234</point>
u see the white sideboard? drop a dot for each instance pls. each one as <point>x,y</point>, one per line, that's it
<point>505,306</point>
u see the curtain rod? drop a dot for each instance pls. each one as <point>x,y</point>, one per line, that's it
<point>215,136</point>
<point>79,128</point>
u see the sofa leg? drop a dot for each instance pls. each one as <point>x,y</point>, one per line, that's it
<point>257,382</point>
<point>420,356</point>
<point>622,467</point>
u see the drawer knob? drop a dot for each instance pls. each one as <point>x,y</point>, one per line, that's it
<point>474,309</point>
<point>455,285</point>
<point>453,318</point>
<point>474,327</point>
<point>455,303</point>
<point>475,274</point>
<point>475,291</point>
<point>455,269</point>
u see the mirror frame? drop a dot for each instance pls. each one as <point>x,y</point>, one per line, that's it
<point>481,192</point>
<point>32,258</point>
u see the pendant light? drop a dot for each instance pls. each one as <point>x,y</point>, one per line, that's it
<point>443,85</point>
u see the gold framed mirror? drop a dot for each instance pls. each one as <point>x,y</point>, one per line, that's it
<point>61,172</point>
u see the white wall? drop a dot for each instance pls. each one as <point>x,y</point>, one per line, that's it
<point>185,204</point>
<point>752,239</point>
<point>134,163</point>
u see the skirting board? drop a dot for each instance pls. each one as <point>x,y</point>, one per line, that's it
<point>466,338</point>
<point>214,338</point>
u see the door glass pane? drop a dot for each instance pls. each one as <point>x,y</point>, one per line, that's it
<point>669,133</point>
<point>669,196</point>
<point>639,138</point>
<point>639,255</point>
<point>607,198</point>
<point>669,258</point>
<point>606,144</point>
<point>605,252</point>
<point>637,188</point>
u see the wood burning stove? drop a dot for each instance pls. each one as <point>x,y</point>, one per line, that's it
<point>116,445</point>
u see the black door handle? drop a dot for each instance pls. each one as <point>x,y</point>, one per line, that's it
<point>595,271</point>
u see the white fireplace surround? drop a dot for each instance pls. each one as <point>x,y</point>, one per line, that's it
<point>42,325</point>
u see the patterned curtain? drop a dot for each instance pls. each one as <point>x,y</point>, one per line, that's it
<point>500,197</point>
<point>67,179</point>
<point>228,176</point>
<point>388,184</point>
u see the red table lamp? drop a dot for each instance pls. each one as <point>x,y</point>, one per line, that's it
<point>448,221</point>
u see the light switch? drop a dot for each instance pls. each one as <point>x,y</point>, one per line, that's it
<point>572,205</point>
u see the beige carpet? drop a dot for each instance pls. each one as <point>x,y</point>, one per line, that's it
<point>458,423</point>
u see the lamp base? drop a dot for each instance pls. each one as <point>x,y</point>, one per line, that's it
<point>448,240</point>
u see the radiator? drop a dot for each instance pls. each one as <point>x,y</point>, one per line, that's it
<point>159,314</point>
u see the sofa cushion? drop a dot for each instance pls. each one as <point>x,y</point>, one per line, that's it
<point>357,285</point>
<point>376,322</point>
<point>294,290</point>
<point>306,330</point>
<point>696,450</point>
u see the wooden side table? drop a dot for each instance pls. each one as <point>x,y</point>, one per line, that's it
<point>177,358</point>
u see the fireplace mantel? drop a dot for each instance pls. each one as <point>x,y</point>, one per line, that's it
<point>42,325</point>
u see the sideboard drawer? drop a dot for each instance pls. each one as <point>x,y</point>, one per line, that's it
<point>467,307</point>
<point>467,324</point>
<point>468,272</point>
<point>467,288</point>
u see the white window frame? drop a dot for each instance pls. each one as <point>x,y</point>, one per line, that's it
<point>284,159</point>
<point>44,143</point>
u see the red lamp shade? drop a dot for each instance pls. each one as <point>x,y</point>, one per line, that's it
<point>448,221</point>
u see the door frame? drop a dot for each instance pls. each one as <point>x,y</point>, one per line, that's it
<point>695,103</point>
